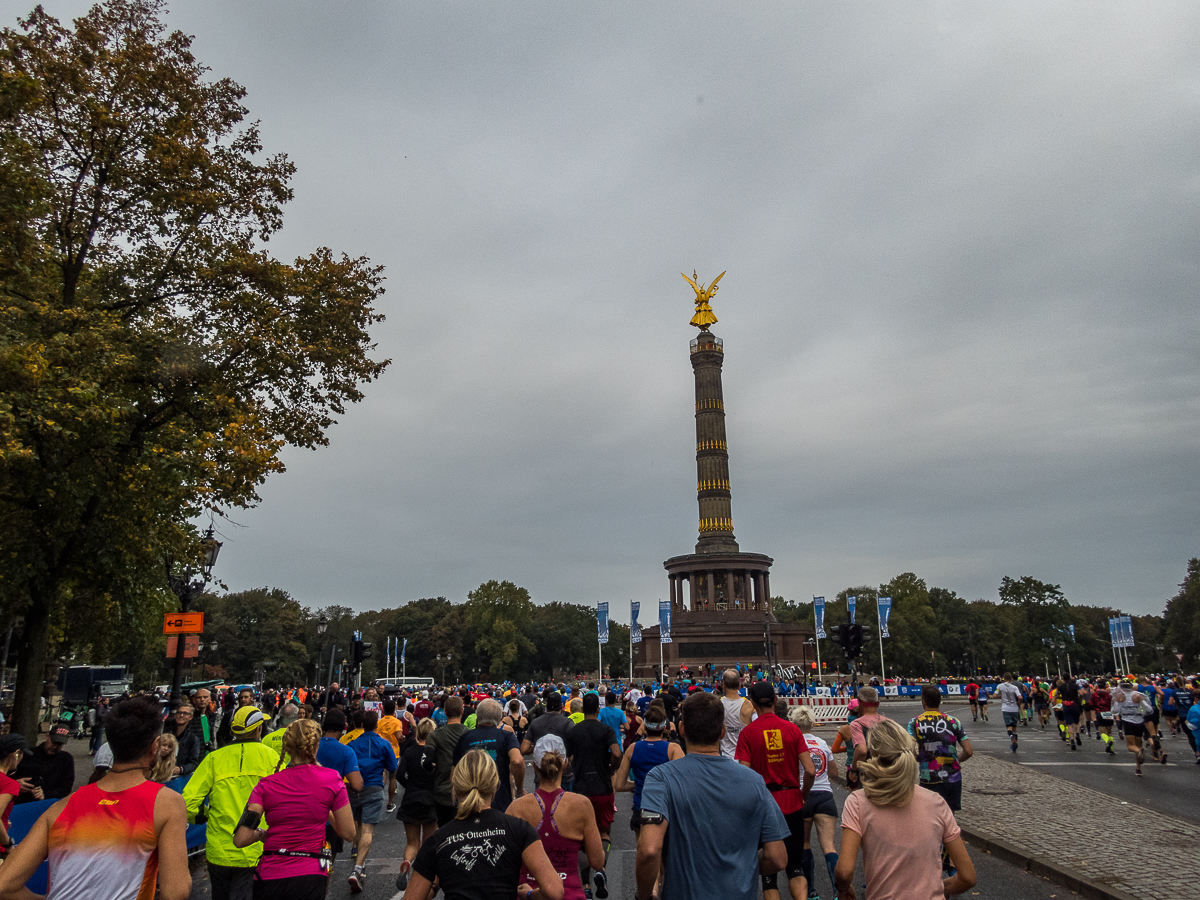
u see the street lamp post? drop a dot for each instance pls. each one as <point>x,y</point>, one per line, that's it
<point>322,625</point>
<point>443,663</point>
<point>187,585</point>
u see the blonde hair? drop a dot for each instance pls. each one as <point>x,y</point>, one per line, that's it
<point>300,742</point>
<point>164,764</point>
<point>475,781</point>
<point>802,717</point>
<point>425,728</point>
<point>889,774</point>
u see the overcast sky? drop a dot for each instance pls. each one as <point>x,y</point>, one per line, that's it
<point>960,313</point>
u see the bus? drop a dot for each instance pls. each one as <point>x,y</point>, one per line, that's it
<point>392,685</point>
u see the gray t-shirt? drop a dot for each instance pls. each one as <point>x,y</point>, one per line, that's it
<point>706,854</point>
<point>1010,697</point>
<point>552,723</point>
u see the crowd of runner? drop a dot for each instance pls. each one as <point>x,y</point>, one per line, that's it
<point>289,781</point>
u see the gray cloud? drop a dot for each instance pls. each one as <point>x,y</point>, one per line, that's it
<point>959,316</point>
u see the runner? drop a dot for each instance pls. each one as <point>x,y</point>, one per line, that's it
<point>1170,707</point>
<point>1131,706</point>
<point>973,697</point>
<point>983,702</point>
<point>114,839</point>
<point>418,810</point>
<point>776,750</point>
<point>376,762</point>
<point>1154,697</point>
<point>594,752</point>
<point>1102,703</point>
<point>481,853</point>
<point>1057,704</point>
<point>820,807</point>
<point>1069,695</point>
<point>296,802</point>
<point>1010,709</point>
<point>738,711</point>
<point>901,830</point>
<point>1086,706</point>
<point>565,822</point>
<point>225,779</point>
<point>12,748</point>
<point>1041,702</point>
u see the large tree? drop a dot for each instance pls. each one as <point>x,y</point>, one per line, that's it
<point>1183,616</point>
<point>154,358</point>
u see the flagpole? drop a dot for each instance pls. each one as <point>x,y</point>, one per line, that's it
<point>600,647</point>
<point>817,640</point>
<point>882,667</point>
<point>631,643</point>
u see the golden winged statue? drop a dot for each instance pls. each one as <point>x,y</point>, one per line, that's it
<point>704,315</point>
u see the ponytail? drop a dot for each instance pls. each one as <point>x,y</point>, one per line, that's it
<point>475,781</point>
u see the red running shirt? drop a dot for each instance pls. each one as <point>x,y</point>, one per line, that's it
<point>773,746</point>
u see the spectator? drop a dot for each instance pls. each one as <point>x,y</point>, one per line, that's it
<point>48,772</point>
<point>187,757</point>
<point>205,722</point>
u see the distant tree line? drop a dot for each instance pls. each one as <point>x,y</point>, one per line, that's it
<point>499,633</point>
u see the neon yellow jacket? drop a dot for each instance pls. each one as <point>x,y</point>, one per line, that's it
<point>226,777</point>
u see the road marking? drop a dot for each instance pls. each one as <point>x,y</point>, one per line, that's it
<point>1147,765</point>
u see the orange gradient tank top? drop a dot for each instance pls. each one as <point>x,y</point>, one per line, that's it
<point>103,845</point>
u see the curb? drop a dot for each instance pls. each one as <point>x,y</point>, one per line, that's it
<point>1043,867</point>
<point>1036,864</point>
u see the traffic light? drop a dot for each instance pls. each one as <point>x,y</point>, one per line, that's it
<point>841,636</point>
<point>857,636</point>
<point>356,650</point>
<point>366,650</point>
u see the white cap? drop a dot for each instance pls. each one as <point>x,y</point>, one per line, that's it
<point>548,743</point>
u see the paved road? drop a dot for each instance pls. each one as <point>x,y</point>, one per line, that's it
<point>997,879</point>
<point>1172,789</point>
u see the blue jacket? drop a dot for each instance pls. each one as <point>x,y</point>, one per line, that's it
<point>375,755</point>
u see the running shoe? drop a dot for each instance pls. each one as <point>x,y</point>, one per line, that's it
<point>814,894</point>
<point>356,880</point>
<point>600,880</point>
<point>1164,759</point>
<point>402,878</point>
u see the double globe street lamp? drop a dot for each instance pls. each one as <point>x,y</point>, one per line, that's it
<point>187,584</point>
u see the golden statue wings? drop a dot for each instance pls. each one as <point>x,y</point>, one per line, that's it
<point>704,315</point>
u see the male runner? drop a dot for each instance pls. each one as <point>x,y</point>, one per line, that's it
<point>776,749</point>
<point>973,696</point>
<point>738,711</point>
<point>983,701</point>
<point>1010,708</point>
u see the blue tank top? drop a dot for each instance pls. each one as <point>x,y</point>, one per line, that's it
<point>647,755</point>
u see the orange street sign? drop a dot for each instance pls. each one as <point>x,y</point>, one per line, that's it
<point>191,646</point>
<point>183,623</point>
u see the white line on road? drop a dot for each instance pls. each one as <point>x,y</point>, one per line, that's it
<point>1114,764</point>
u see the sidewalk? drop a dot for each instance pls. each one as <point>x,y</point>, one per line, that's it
<point>1046,823</point>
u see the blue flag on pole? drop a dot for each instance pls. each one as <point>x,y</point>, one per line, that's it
<point>819,615</point>
<point>664,621</point>
<point>635,630</point>
<point>602,621</point>
<point>403,649</point>
<point>851,602</point>
<point>885,611</point>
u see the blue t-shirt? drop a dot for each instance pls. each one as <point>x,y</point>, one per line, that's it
<point>646,756</point>
<point>333,754</point>
<point>615,719</point>
<point>710,855</point>
<point>643,704</point>
<point>1168,699</point>
<point>374,756</point>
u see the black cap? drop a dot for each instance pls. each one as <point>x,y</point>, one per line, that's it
<point>762,692</point>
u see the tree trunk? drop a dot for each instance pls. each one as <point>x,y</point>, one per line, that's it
<point>31,670</point>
